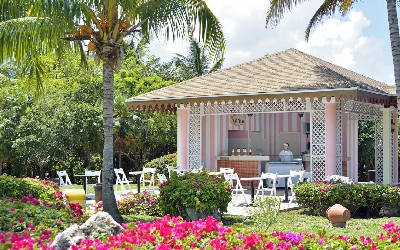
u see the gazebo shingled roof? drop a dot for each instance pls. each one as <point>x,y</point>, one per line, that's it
<point>290,73</point>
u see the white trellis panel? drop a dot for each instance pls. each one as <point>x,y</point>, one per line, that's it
<point>362,108</point>
<point>379,150</point>
<point>355,116</point>
<point>260,106</point>
<point>318,141</point>
<point>338,141</point>
<point>194,137</point>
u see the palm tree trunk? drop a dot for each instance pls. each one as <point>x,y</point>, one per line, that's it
<point>395,42</point>
<point>109,202</point>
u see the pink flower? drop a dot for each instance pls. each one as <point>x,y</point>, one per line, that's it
<point>12,209</point>
<point>389,225</point>
<point>20,220</point>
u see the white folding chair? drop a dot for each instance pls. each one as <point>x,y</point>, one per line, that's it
<point>161,178</point>
<point>196,169</point>
<point>235,188</point>
<point>291,182</point>
<point>171,168</point>
<point>150,181</point>
<point>67,183</point>
<point>306,176</point>
<point>121,180</point>
<point>226,171</point>
<point>93,173</point>
<point>271,180</point>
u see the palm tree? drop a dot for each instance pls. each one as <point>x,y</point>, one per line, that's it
<point>32,28</point>
<point>196,63</point>
<point>278,8</point>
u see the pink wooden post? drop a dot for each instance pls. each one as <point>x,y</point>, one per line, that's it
<point>330,126</point>
<point>182,137</point>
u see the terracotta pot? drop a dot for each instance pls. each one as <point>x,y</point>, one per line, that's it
<point>338,215</point>
<point>98,192</point>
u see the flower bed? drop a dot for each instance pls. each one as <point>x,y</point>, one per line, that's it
<point>143,203</point>
<point>319,196</point>
<point>28,213</point>
<point>20,187</point>
<point>176,233</point>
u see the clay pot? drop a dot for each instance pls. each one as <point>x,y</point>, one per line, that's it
<point>98,192</point>
<point>338,215</point>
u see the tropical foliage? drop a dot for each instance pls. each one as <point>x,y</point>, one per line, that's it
<point>196,63</point>
<point>63,130</point>
<point>104,24</point>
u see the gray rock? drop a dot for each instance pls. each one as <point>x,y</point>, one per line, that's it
<point>194,215</point>
<point>336,179</point>
<point>98,223</point>
<point>389,210</point>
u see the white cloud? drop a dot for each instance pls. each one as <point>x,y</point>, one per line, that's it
<point>339,41</point>
<point>343,43</point>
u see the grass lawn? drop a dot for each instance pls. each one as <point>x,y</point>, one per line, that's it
<point>90,189</point>
<point>297,222</point>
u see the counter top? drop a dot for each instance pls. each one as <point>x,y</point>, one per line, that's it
<point>242,157</point>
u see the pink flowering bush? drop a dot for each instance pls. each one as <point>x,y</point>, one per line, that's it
<point>20,187</point>
<point>176,233</point>
<point>161,163</point>
<point>143,203</point>
<point>28,213</point>
<point>319,196</point>
<point>200,190</point>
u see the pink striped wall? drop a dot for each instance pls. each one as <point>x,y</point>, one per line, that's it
<point>215,129</point>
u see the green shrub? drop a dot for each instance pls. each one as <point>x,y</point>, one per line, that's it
<point>264,213</point>
<point>200,190</point>
<point>143,203</point>
<point>20,187</point>
<point>319,196</point>
<point>161,163</point>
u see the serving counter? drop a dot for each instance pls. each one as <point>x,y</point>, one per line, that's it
<point>245,166</point>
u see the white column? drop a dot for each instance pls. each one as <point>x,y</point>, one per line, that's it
<point>387,147</point>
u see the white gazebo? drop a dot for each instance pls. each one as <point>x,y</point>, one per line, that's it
<point>267,95</point>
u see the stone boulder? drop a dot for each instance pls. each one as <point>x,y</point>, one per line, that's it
<point>101,222</point>
<point>336,179</point>
<point>195,215</point>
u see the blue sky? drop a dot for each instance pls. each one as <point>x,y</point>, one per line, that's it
<point>359,42</point>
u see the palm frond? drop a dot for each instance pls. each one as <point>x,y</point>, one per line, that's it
<point>328,8</point>
<point>278,8</point>
<point>21,38</point>
<point>178,19</point>
<point>216,66</point>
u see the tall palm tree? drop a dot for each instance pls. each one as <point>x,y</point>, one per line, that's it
<point>32,28</point>
<point>196,63</point>
<point>278,8</point>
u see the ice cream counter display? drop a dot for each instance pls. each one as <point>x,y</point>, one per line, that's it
<point>283,168</point>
